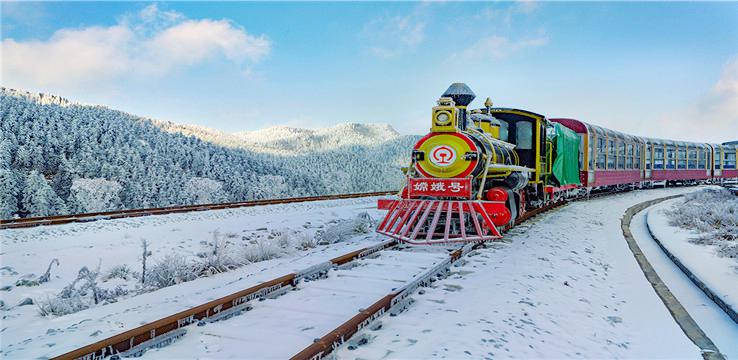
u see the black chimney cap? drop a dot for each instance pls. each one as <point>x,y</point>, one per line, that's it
<point>461,94</point>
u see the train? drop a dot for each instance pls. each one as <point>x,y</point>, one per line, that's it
<point>478,170</point>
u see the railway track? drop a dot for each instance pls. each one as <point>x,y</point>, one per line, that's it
<point>120,214</point>
<point>163,331</point>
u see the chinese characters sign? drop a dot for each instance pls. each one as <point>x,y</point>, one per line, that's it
<point>418,187</point>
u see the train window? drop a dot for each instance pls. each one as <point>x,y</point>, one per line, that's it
<point>591,153</point>
<point>729,162</point>
<point>503,130</point>
<point>718,156</point>
<point>692,159</point>
<point>682,158</point>
<point>702,161</point>
<point>658,157</point>
<point>601,153</point>
<point>524,135</point>
<point>629,156</point>
<point>621,155</point>
<point>649,147</point>
<point>670,157</point>
<point>706,161</point>
<point>637,159</point>
<point>611,154</point>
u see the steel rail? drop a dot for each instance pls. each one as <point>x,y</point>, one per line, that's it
<point>107,215</point>
<point>126,342</point>
<point>397,300</point>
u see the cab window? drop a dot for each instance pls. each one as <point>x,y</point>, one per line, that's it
<point>504,130</point>
<point>524,135</point>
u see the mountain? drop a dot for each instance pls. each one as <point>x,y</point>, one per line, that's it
<point>57,156</point>
<point>290,140</point>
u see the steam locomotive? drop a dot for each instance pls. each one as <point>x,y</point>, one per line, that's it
<point>479,169</point>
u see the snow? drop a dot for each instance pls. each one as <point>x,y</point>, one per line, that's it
<point>27,252</point>
<point>282,327</point>
<point>714,322</point>
<point>720,274</point>
<point>564,285</point>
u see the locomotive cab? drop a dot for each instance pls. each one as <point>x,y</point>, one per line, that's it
<point>526,130</point>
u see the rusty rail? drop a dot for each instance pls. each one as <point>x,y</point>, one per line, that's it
<point>128,340</point>
<point>334,339</point>
<point>106,215</point>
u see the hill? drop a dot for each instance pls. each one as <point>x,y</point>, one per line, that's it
<point>57,156</point>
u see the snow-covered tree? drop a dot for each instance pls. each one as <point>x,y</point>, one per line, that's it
<point>93,195</point>
<point>9,190</point>
<point>39,198</point>
<point>155,163</point>
<point>204,191</point>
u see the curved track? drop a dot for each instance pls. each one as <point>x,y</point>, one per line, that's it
<point>678,312</point>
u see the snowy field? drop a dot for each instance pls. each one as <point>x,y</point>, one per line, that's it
<point>719,273</point>
<point>564,285</point>
<point>714,322</point>
<point>112,243</point>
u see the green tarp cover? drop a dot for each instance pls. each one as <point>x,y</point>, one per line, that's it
<point>566,163</point>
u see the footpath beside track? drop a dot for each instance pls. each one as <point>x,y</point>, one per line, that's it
<point>120,214</point>
<point>676,309</point>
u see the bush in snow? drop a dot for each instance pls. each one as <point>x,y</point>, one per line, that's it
<point>713,213</point>
<point>345,229</point>
<point>122,272</point>
<point>172,269</point>
<point>93,195</point>
<point>82,293</point>
<point>262,250</point>
<point>305,241</point>
<point>219,257</point>
<point>58,306</point>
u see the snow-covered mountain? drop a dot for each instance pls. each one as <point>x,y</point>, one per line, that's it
<point>57,156</point>
<point>291,140</point>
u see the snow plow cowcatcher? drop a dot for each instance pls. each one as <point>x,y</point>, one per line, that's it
<point>422,221</point>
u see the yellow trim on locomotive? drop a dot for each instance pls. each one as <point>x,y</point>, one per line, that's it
<point>445,116</point>
<point>457,165</point>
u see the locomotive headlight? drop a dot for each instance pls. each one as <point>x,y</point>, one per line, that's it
<point>443,118</point>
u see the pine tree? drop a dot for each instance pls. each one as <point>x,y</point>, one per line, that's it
<point>9,191</point>
<point>39,198</point>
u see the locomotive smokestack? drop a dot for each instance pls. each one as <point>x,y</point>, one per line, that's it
<point>462,96</point>
<point>460,93</point>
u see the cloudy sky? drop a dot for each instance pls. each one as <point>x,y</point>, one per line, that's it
<point>653,69</point>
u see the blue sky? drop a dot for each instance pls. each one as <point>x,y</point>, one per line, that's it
<point>652,69</point>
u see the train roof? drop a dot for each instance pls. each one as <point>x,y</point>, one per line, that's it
<point>584,127</point>
<point>518,110</point>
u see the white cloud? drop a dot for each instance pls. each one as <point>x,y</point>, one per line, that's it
<point>151,42</point>
<point>723,99</point>
<point>713,117</point>
<point>390,36</point>
<point>498,47</point>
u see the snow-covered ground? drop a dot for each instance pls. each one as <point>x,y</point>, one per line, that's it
<point>27,252</point>
<point>714,322</point>
<point>564,285</point>
<point>719,274</point>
